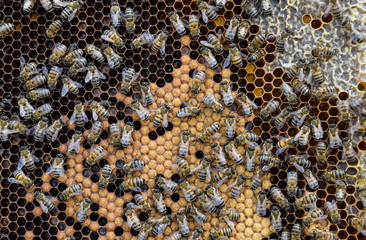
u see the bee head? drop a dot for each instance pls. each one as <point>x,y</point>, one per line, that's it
<point>232,45</point>
<point>232,170</point>
<point>207,159</point>
<point>145,83</point>
<point>166,106</point>
<point>208,187</point>
<point>242,177</point>
<point>269,140</point>
<point>186,133</point>
<point>274,208</point>
<point>332,125</point>
<point>129,123</point>
<point>214,145</point>
<point>230,116</point>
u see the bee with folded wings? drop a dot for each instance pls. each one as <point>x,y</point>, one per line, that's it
<point>74,146</point>
<point>203,170</point>
<point>188,190</point>
<point>183,224</point>
<point>113,37</point>
<point>230,123</point>
<point>94,75</point>
<point>235,56</point>
<point>188,111</point>
<point>70,8</point>
<point>21,178</point>
<point>300,115</point>
<point>303,135</point>
<point>69,85</point>
<point>169,186</point>
<point>45,202</point>
<point>142,112</point>
<point>215,197</point>
<point>142,204</point>
<point>344,111</point>
<point>222,176</point>
<point>233,27</point>
<point>25,109</point>
<point>314,216</point>
<point>82,212</point>
<point>282,40</point>
<point>161,225</point>
<point>229,215</point>
<point>317,128</point>
<point>208,11</point>
<point>39,131</point>
<point>145,38</point>
<point>57,166</point>
<point>147,96</point>
<point>226,92</point>
<point>26,159</point>
<point>282,117</point>
<point>284,143</point>
<point>98,109</point>
<point>206,203</point>
<point>79,116</point>
<point>214,42</point>
<point>192,211</point>
<point>71,191</point>
<point>53,130</point>
<point>209,57</point>
<point>233,153</point>
<point>127,132</point>
<point>133,166</point>
<point>247,104</point>
<point>129,76</point>
<point>250,157</point>
<point>177,22</point>
<point>161,116</point>
<point>211,101</point>
<point>334,139</point>
<point>184,144</point>
<point>198,79</point>
<point>105,176</point>
<point>129,18</point>
<point>160,42</point>
<point>116,14</point>
<point>113,59</point>
<point>349,154</point>
<point>299,161</point>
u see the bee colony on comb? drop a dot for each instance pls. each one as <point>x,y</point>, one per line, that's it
<point>140,119</point>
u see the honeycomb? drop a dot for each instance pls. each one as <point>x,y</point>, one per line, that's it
<point>169,77</point>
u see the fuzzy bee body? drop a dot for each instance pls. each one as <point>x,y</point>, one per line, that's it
<point>162,224</point>
<point>266,111</point>
<point>127,131</point>
<point>105,176</point>
<point>69,86</point>
<point>71,191</point>
<point>182,223</point>
<point>57,166</point>
<point>169,186</point>
<point>278,196</point>
<point>232,29</point>
<point>94,156</point>
<point>208,11</point>
<point>159,203</point>
<point>196,214</point>
<point>82,212</point>
<point>209,132</point>
<point>215,197</point>
<point>147,97</point>
<point>79,116</point>
<point>161,116</point>
<point>21,178</point>
<point>53,130</point>
<point>95,53</point>
<point>276,219</point>
<point>129,18</point>
<point>95,132</point>
<point>133,184</point>
<point>74,146</point>
<point>209,57</point>
<point>194,26</point>
<point>98,110</point>
<point>205,203</point>
<point>116,134</point>
<point>45,202</point>
<point>71,9</point>
<point>188,192</point>
<point>177,22</point>
<point>26,159</point>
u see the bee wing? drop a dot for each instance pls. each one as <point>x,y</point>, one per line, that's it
<point>77,84</point>
<point>165,121</point>
<point>72,118</point>
<point>13,180</point>
<point>196,168</point>
<point>72,15</point>
<point>299,124</point>
<point>227,61</point>
<point>221,182</point>
<point>44,208</point>
<point>132,205</point>
<point>281,124</point>
<point>136,189</point>
<point>252,144</point>
<point>88,76</point>
<point>298,135</point>
<point>21,110</point>
<point>21,163</point>
<point>22,62</point>
<point>106,38</point>
<point>62,4</point>
<point>162,49</point>
<point>35,159</point>
<point>207,44</point>
<point>231,185</point>
<point>55,135</point>
<point>363,231</point>
<point>113,29</point>
<point>30,130</point>
<point>281,150</point>
<point>101,75</point>
<point>328,9</point>
<point>309,79</point>
<point>76,193</point>
<point>301,75</point>
<point>287,47</point>
<point>186,23</point>
<point>51,168</point>
<point>298,167</point>
<point>45,71</point>
<point>204,16</point>
<point>252,103</point>
<point>64,90</point>
<point>208,174</point>
<point>95,115</point>
<point>229,223</point>
<point>110,62</point>
<point>9,131</point>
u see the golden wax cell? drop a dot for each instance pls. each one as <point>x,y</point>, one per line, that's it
<point>257,236</point>
<point>94,197</point>
<point>248,202</point>
<point>70,211</point>
<point>102,212</point>
<point>152,145</point>
<point>46,187</point>
<point>185,59</point>
<point>176,74</point>
<point>248,193</point>
<point>193,64</point>
<point>63,148</point>
<point>86,182</point>
<point>239,236</point>
<point>265,232</point>
<point>94,226</point>
<point>160,159</point>
<point>186,40</point>
<point>249,212</point>
<point>119,202</point>
<point>184,88</point>
<point>266,222</point>
<point>160,149</point>
<point>266,184</point>
<point>248,232</point>
<point>168,164</point>
<point>37,211</point>
<point>160,169</point>
<point>152,173</point>
<point>119,221</point>
<point>249,222</point>
<point>240,227</point>
<point>144,149</point>
<point>257,227</point>
<point>168,97</point>
<point>226,73</point>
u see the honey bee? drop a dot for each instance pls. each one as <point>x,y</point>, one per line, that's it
<point>308,200</point>
<point>209,132</point>
<point>184,167</point>
<point>116,14</point>
<point>278,196</point>
<point>215,197</point>
<point>249,7</point>
<point>285,235</point>
<point>38,94</point>
<point>160,42</point>
<point>303,135</point>
<point>146,228</point>
<point>334,139</point>
<point>116,134</point>
<point>79,116</point>
<point>113,37</point>
<point>145,38</point>
<point>258,178</point>
<point>114,61</point>
<point>247,104</point>
<point>266,152</point>
<point>344,111</point>
<point>310,179</point>
<point>142,204</point>
<point>300,115</point>
<point>169,186</point>
<point>53,130</point>
<point>296,232</point>
<point>248,138</point>
<point>95,155</point>
<point>175,236</point>
<point>276,219</point>
<point>21,178</point>
<point>360,126</point>
<point>354,34</point>
<point>95,53</point>
<point>188,111</point>
<point>16,126</point>
<point>98,109</point>
<point>41,111</point>
<point>211,101</point>
<point>45,202</point>
<point>57,166</point>
<point>332,211</point>
<point>95,132</point>
<point>177,22</point>
<point>127,132</point>
<point>256,56</point>
<point>161,225</point>
<point>321,234</point>
<point>5,29</point>
<point>129,76</point>
<point>142,112</point>
<point>325,92</point>
<point>292,183</point>
<point>193,26</point>
<point>220,233</point>
<point>133,184</point>
<point>317,128</point>
<point>161,116</point>
<point>28,5</point>
<point>74,146</point>
<point>71,191</point>
<point>323,51</point>
<point>250,158</point>
<point>229,215</point>
<point>203,170</point>
<point>105,176</point>
<point>232,29</point>
<point>358,222</point>
<point>192,211</point>
<point>147,97</point>
<point>25,109</point>
<point>94,75</point>
<point>78,65</point>
<point>26,159</point>
<point>133,166</point>
<point>266,111</point>
<point>219,155</point>
<point>184,144</point>
<point>314,216</point>
<point>39,130</point>
<point>227,95</point>
<point>197,81</point>
<point>182,223</point>
<point>282,117</point>
<point>233,153</point>
<point>52,76</point>
<point>206,203</point>
<point>300,87</point>
<point>188,190</point>
<point>159,203</point>
<point>243,29</point>
<point>235,56</point>
<point>208,11</point>
<point>230,123</point>
<point>334,175</point>
<point>282,40</point>
<point>340,191</point>
<point>315,74</point>
<point>299,161</point>
<point>257,42</point>
<point>71,9</point>
<point>57,54</point>
<point>222,176</point>
<point>196,234</point>
<point>336,9</point>
<point>349,154</point>
<point>73,54</point>
<point>27,70</point>
<point>289,93</point>
<point>129,18</point>
<point>69,85</point>
<point>209,57</point>
<point>35,82</point>
<point>82,212</point>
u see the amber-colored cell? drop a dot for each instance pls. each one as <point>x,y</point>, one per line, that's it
<point>316,24</point>
<point>306,19</point>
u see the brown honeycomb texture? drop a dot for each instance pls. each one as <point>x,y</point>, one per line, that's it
<point>169,76</point>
